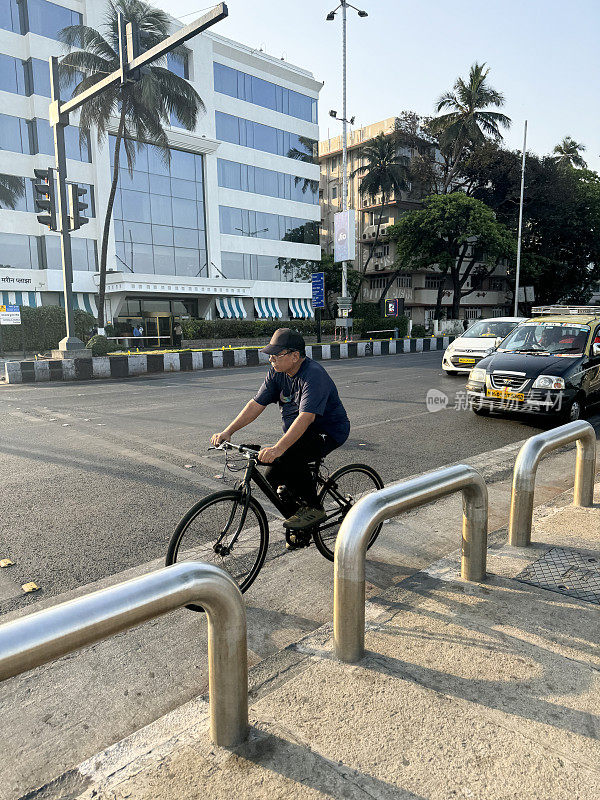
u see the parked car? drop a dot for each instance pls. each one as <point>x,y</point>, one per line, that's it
<point>547,365</point>
<point>477,342</point>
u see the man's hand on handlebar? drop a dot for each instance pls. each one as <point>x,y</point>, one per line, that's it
<point>218,438</point>
<point>268,454</point>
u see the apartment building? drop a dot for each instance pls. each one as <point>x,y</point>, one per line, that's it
<point>214,233</point>
<point>418,289</point>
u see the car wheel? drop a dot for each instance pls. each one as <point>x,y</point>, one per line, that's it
<point>573,411</point>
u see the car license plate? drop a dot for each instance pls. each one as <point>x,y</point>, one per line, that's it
<point>466,360</point>
<point>506,394</point>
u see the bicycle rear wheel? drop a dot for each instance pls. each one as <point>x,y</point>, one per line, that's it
<point>205,534</point>
<point>341,491</point>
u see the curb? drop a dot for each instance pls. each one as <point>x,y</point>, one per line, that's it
<point>129,366</point>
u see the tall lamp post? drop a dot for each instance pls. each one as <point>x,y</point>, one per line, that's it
<point>330,17</point>
<point>520,222</point>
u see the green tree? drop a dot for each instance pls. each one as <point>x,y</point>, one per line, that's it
<point>307,153</point>
<point>459,237</point>
<point>385,173</point>
<point>143,107</point>
<point>12,188</point>
<point>568,153</point>
<point>468,121</point>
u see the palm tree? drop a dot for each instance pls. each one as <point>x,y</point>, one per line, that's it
<point>12,187</point>
<point>385,173</point>
<point>307,154</point>
<point>467,121</point>
<point>568,153</point>
<point>143,107</point>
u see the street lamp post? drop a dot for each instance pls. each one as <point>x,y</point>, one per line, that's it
<point>344,120</point>
<point>517,276</point>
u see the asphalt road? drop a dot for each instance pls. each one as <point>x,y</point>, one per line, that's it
<point>94,478</point>
<point>96,475</point>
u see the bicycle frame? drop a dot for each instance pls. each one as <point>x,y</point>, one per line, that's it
<point>251,473</point>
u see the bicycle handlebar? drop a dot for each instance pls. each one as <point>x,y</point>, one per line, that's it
<point>250,451</point>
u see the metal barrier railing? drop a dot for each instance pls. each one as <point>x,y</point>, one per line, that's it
<point>357,527</point>
<point>521,502</point>
<point>45,635</point>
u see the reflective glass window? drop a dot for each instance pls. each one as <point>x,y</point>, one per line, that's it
<point>227,127</point>
<point>137,232</point>
<point>12,75</point>
<point>185,213</point>
<point>164,260</point>
<point>138,181</point>
<point>263,137</point>
<point>178,63</point>
<point>262,225</point>
<point>140,258</point>
<point>40,77</point>
<point>181,188</point>
<point>187,261</point>
<point>157,163</point>
<point>48,19</point>
<point>18,197</point>
<point>160,209</point>
<point>263,93</point>
<point>18,251</point>
<point>13,134</point>
<point>185,237</point>
<point>135,206</point>
<point>9,16</point>
<point>162,234</point>
<point>182,164</point>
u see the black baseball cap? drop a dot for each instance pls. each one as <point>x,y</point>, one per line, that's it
<point>284,339</point>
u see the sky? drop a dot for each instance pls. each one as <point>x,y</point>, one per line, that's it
<point>544,56</point>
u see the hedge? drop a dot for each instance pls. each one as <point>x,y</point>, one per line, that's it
<point>247,328</point>
<point>254,329</point>
<point>43,328</point>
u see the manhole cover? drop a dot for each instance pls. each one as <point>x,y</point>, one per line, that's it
<point>566,572</point>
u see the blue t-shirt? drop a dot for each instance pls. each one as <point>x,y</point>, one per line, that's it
<point>311,390</point>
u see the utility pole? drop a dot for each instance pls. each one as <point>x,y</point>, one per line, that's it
<point>131,64</point>
<point>520,222</point>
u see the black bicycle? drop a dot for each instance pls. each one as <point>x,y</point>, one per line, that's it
<point>230,528</point>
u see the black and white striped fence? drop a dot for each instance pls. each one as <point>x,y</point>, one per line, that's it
<point>126,366</point>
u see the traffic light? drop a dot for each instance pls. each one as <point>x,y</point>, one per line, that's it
<point>44,196</point>
<point>76,220</point>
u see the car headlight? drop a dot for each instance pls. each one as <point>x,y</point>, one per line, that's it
<point>477,375</point>
<point>548,382</point>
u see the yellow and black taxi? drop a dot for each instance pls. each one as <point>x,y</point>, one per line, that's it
<point>549,364</point>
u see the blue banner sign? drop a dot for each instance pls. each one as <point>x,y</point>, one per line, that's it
<point>318,289</point>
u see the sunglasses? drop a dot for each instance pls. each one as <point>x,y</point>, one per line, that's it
<point>280,355</point>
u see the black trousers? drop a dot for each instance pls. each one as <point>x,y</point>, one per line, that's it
<point>292,470</point>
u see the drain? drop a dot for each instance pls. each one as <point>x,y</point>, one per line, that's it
<point>567,572</point>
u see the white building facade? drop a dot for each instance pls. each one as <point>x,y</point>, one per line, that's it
<point>220,231</point>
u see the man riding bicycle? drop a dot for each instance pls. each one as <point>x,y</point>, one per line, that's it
<point>314,423</point>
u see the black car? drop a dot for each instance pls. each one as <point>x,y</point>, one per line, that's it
<point>547,365</point>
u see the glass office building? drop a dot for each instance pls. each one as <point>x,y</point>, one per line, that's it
<point>232,212</point>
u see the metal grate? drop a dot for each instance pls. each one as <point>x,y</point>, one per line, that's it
<point>566,572</point>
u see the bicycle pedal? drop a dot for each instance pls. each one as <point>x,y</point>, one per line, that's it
<point>296,540</point>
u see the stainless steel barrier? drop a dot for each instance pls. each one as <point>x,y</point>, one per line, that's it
<point>521,502</point>
<point>45,635</point>
<point>357,527</point>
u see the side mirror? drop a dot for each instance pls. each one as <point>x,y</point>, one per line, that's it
<point>596,350</point>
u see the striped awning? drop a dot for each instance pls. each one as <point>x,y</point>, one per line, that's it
<point>82,301</point>
<point>231,308</point>
<point>301,308</point>
<point>267,308</point>
<point>32,299</point>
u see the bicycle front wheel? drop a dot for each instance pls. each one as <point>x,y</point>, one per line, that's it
<point>341,491</point>
<point>208,533</point>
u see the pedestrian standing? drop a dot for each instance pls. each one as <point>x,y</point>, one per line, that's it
<point>137,334</point>
<point>177,334</point>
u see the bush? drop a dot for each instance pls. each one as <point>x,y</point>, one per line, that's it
<point>100,345</point>
<point>247,328</point>
<point>418,331</point>
<point>42,328</point>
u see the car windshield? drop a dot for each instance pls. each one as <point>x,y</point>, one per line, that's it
<point>546,338</point>
<point>489,328</point>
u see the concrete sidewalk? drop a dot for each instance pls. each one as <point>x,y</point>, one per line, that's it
<point>483,691</point>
